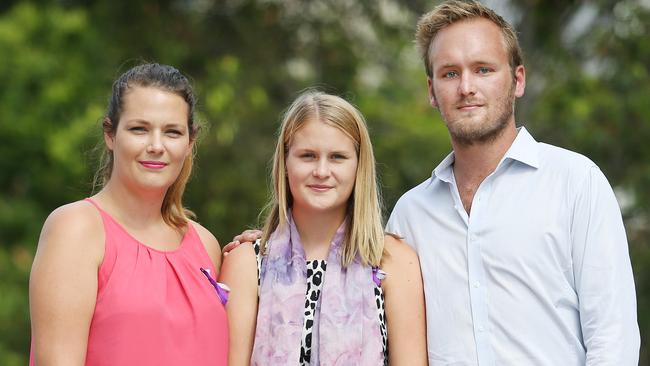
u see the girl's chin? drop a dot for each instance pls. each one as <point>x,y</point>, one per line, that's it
<point>319,207</point>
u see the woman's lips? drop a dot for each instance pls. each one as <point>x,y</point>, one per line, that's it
<point>153,164</point>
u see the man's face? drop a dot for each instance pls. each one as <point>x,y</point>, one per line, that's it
<point>473,85</point>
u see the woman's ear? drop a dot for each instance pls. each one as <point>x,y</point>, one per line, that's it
<point>190,146</point>
<point>109,138</point>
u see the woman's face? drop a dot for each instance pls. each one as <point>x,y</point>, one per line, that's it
<point>152,139</point>
<point>321,168</point>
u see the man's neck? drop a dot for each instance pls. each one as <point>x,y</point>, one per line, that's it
<point>473,163</point>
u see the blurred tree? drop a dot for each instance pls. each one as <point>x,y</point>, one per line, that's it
<point>47,106</point>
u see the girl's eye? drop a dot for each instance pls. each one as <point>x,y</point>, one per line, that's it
<point>339,156</point>
<point>307,155</point>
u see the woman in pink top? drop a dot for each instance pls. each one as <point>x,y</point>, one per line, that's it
<point>125,277</point>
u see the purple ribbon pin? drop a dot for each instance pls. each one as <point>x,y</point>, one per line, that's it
<point>378,275</point>
<point>222,290</point>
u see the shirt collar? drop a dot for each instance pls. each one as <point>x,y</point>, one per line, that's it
<point>443,171</point>
<point>524,149</point>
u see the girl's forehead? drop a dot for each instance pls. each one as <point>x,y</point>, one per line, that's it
<point>321,134</point>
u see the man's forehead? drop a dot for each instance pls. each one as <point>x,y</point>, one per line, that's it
<point>473,39</point>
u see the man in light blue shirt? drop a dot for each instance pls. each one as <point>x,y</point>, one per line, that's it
<point>522,246</point>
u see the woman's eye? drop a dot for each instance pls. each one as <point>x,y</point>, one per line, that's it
<point>339,156</point>
<point>137,129</point>
<point>174,133</point>
<point>307,155</point>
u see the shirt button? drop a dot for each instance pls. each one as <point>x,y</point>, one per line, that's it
<point>477,284</point>
<point>481,328</point>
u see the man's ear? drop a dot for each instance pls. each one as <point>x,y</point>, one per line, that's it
<point>520,81</point>
<point>432,94</point>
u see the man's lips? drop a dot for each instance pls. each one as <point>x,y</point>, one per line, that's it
<point>469,106</point>
<point>153,164</point>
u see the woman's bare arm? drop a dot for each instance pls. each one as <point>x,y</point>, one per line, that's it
<point>63,284</point>
<point>210,243</point>
<point>239,272</point>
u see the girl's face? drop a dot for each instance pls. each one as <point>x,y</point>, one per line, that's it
<point>321,168</point>
<point>152,139</point>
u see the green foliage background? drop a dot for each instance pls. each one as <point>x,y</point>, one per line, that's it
<point>588,90</point>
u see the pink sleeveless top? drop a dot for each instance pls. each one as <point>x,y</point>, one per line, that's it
<point>155,307</point>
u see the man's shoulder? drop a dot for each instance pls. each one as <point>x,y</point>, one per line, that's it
<point>568,168</point>
<point>417,194</point>
<point>555,157</point>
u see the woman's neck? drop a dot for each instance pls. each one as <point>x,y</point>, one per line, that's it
<point>316,230</point>
<point>136,209</point>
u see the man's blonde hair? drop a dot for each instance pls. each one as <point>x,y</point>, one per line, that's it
<point>364,237</point>
<point>453,11</point>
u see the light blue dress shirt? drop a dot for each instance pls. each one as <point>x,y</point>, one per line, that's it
<point>538,274</point>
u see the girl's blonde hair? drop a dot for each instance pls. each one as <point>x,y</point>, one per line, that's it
<point>364,237</point>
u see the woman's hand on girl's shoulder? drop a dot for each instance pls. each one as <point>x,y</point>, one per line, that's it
<point>247,236</point>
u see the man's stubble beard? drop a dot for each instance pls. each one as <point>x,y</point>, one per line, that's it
<point>484,132</point>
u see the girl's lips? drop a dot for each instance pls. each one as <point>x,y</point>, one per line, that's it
<point>319,188</point>
<point>153,164</point>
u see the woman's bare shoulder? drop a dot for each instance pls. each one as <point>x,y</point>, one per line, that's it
<point>78,218</point>
<point>76,227</point>
<point>243,254</point>
<point>209,241</point>
<point>239,267</point>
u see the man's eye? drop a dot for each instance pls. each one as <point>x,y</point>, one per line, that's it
<point>483,70</point>
<point>450,74</point>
